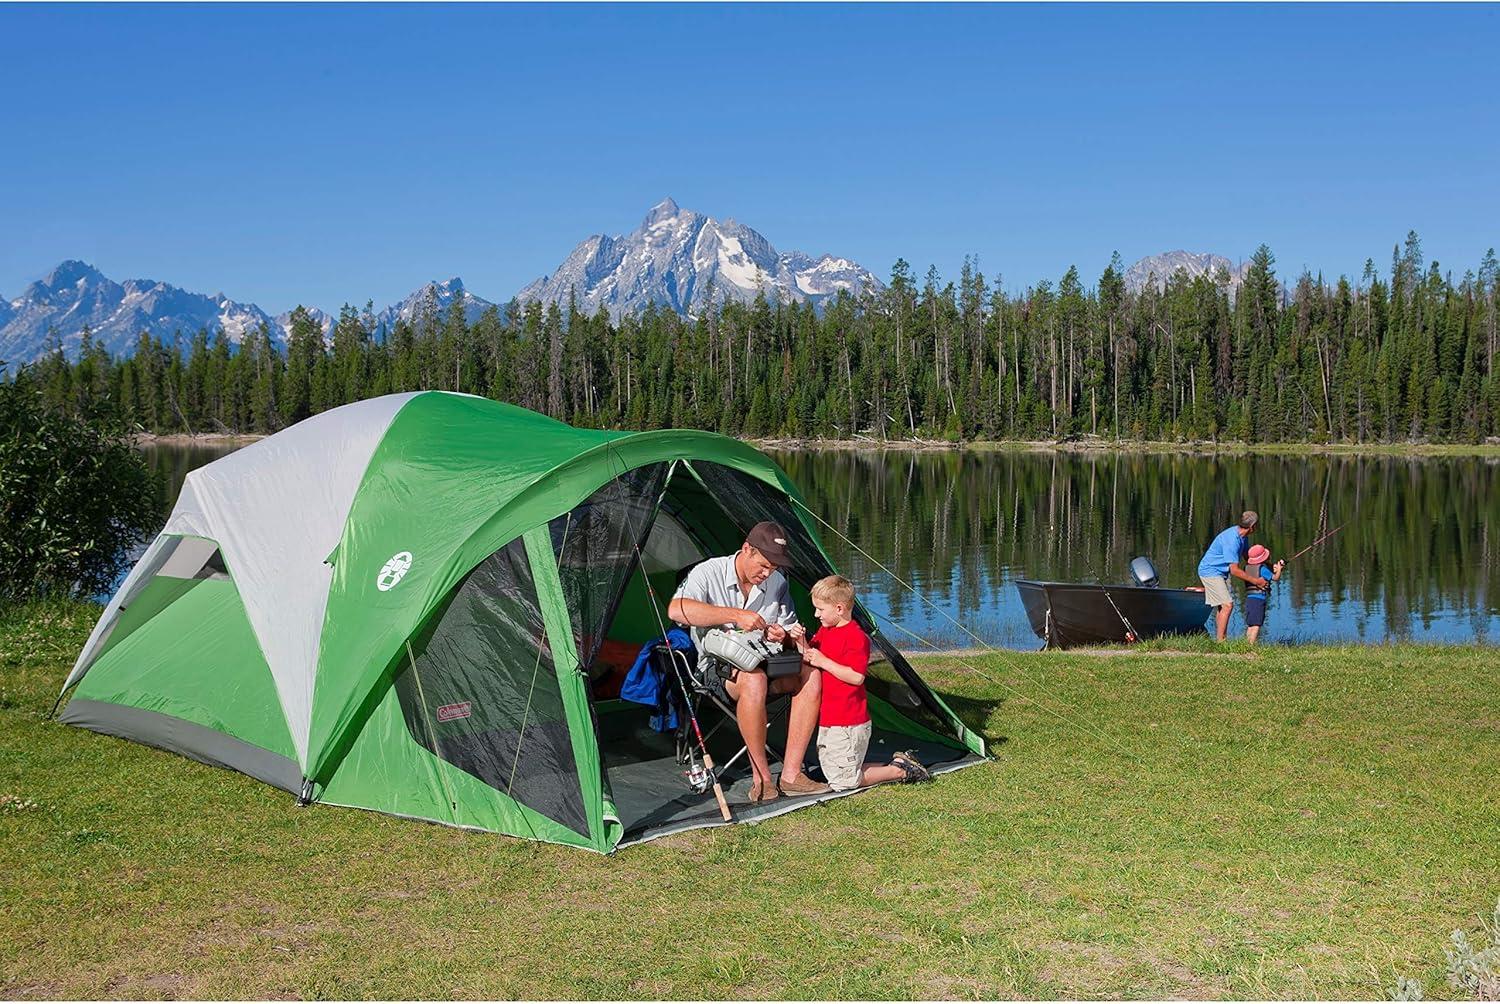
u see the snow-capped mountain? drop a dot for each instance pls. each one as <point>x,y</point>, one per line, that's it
<point>437,296</point>
<point>679,259</point>
<point>283,323</point>
<point>1157,269</point>
<point>76,294</point>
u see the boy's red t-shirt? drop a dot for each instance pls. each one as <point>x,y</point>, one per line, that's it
<point>848,645</point>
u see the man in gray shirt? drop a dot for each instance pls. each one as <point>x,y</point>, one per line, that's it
<point>747,590</point>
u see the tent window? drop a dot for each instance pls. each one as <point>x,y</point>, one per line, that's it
<point>483,695</point>
<point>596,545</point>
<point>174,568</point>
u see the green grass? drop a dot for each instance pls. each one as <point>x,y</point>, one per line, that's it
<point>1288,822</point>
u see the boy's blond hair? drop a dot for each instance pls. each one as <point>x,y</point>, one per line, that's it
<point>834,589</point>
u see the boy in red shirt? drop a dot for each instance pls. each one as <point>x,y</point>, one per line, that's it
<point>841,649</point>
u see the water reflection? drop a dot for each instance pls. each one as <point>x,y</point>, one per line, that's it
<point>171,465</point>
<point>1415,559</point>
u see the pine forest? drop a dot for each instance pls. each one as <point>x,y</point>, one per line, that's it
<point>1408,354</point>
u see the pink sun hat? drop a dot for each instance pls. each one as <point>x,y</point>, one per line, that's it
<point>1258,554</point>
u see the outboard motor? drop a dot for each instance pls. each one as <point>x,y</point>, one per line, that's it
<point>1143,571</point>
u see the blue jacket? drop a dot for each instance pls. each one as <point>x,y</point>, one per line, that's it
<point>645,685</point>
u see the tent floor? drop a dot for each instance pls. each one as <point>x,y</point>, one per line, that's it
<point>650,790</point>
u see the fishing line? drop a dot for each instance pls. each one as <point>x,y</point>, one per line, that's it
<point>1103,737</point>
<point>1315,543</point>
<point>692,717</point>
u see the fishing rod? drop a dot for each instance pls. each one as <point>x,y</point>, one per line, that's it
<point>708,761</point>
<point>710,774</point>
<point>1130,632</point>
<point>1315,543</point>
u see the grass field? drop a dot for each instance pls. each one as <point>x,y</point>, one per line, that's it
<point>1292,822</point>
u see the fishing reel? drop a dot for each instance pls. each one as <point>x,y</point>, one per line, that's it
<point>699,777</point>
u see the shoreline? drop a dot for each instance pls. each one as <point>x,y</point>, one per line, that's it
<point>1079,445</point>
<point>1095,445</point>
<point>147,439</point>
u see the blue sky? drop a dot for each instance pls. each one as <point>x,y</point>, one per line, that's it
<point>291,154</point>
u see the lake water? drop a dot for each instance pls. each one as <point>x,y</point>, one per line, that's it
<point>1415,561</point>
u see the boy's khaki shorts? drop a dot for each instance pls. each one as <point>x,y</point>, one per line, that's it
<point>841,752</point>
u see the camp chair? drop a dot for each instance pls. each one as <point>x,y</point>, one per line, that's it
<point>777,705</point>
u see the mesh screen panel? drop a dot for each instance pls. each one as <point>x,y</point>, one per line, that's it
<point>747,501</point>
<point>483,692</point>
<point>596,546</point>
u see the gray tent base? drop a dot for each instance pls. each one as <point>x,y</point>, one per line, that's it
<point>651,794</point>
<point>738,798</point>
<point>167,732</point>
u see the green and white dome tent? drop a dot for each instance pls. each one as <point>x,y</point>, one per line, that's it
<point>393,605</point>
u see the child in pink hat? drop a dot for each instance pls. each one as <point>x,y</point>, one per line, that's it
<point>1256,598</point>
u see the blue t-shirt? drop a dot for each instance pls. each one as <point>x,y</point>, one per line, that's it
<point>1223,552</point>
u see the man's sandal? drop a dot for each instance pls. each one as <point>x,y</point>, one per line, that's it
<point>910,766</point>
<point>760,795</point>
<point>803,785</point>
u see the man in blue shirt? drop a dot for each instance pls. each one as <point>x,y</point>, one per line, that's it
<point>1223,559</point>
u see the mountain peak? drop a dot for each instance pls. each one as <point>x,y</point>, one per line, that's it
<point>70,272</point>
<point>666,209</point>
<point>680,259</point>
<point>440,294</point>
<point>75,295</point>
<point>1158,269</point>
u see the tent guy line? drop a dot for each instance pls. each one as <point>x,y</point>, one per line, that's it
<point>1091,731</point>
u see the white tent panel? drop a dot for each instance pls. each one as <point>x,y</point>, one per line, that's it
<point>277,509</point>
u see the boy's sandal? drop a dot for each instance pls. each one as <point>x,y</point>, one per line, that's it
<point>911,767</point>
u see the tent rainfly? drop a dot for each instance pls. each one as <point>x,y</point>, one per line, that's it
<point>396,604</point>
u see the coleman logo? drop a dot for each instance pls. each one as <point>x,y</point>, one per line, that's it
<point>393,571</point>
<point>453,712</point>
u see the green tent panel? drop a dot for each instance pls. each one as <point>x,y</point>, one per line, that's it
<point>185,656</point>
<point>407,605</point>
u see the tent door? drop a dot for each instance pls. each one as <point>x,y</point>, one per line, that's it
<point>572,679</point>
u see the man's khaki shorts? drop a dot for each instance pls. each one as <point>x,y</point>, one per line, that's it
<point>841,751</point>
<point>1216,590</point>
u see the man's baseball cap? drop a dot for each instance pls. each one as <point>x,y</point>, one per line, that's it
<point>770,539</point>
<point>1248,519</point>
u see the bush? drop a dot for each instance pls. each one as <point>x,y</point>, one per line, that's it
<point>74,497</point>
<point>1473,970</point>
